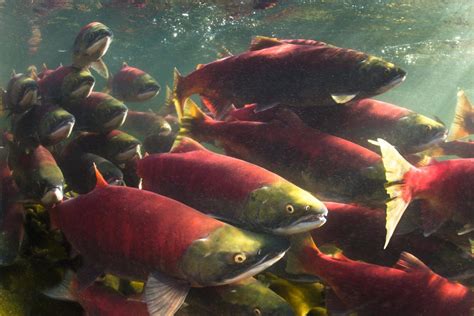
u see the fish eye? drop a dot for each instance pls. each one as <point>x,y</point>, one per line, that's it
<point>289,208</point>
<point>240,257</point>
<point>307,207</point>
<point>427,128</point>
<point>257,312</point>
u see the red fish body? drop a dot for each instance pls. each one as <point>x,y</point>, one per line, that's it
<point>444,189</point>
<point>367,119</point>
<point>360,231</point>
<point>289,74</point>
<point>66,83</point>
<point>410,288</point>
<point>229,188</point>
<point>131,84</point>
<point>323,164</point>
<point>124,245</point>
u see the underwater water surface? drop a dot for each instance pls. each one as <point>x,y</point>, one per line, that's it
<point>432,40</point>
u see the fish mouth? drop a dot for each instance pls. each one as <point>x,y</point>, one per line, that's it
<point>52,196</point>
<point>394,82</point>
<point>267,261</point>
<point>128,154</point>
<point>437,139</point>
<point>100,46</point>
<point>63,131</point>
<point>148,93</point>
<point>303,224</point>
<point>84,90</point>
<point>117,120</point>
<point>29,97</point>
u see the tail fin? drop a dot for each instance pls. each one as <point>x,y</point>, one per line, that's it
<point>177,93</point>
<point>64,291</point>
<point>192,116</point>
<point>395,168</point>
<point>463,110</point>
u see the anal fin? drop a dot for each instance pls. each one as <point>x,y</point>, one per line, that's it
<point>164,295</point>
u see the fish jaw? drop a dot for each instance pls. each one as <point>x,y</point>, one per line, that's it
<point>147,95</point>
<point>100,47</point>
<point>212,260</point>
<point>283,208</point>
<point>52,196</point>
<point>128,154</point>
<point>393,83</point>
<point>62,132</point>
<point>117,121</point>
<point>304,224</point>
<point>262,265</point>
<point>29,98</point>
<point>437,139</point>
<point>84,90</point>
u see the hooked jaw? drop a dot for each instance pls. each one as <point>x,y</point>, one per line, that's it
<point>399,77</point>
<point>148,93</point>
<point>84,90</point>
<point>62,132</point>
<point>117,120</point>
<point>99,47</point>
<point>303,224</point>
<point>260,266</point>
<point>30,97</point>
<point>128,154</point>
<point>52,196</point>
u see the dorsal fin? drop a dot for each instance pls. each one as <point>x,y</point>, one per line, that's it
<point>199,66</point>
<point>262,42</point>
<point>45,67</point>
<point>410,263</point>
<point>184,144</point>
<point>100,181</point>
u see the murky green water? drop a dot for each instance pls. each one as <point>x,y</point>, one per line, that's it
<point>432,39</point>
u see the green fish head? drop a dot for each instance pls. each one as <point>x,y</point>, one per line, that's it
<point>55,126</point>
<point>283,208</point>
<point>229,254</point>
<point>22,93</point>
<point>415,132</point>
<point>250,297</point>
<point>108,115</point>
<point>51,183</point>
<point>77,85</point>
<point>92,41</point>
<point>247,297</point>
<point>122,147</point>
<point>378,75</point>
<point>145,87</point>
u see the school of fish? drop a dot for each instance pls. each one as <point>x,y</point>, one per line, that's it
<point>288,191</point>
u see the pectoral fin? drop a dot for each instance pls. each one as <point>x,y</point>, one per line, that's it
<point>164,295</point>
<point>343,98</point>
<point>101,68</point>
